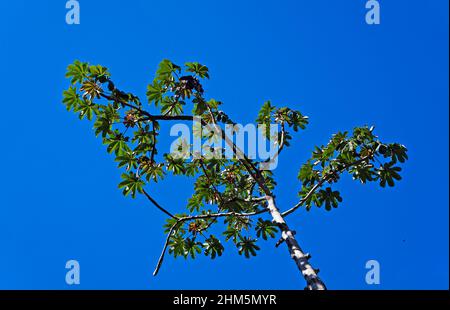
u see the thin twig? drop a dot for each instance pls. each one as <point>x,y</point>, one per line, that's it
<point>280,148</point>
<point>166,244</point>
<point>158,205</point>
<point>196,217</point>
<point>320,183</point>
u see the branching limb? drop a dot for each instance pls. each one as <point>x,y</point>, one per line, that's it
<point>320,183</point>
<point>158,205</point>
<point>166,244</point>
<point>197,217</point>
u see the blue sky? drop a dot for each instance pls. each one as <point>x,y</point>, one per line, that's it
<point>58,194</point>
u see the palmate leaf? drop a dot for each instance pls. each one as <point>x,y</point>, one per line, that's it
<point>87,109</point>
<point>312,198</point>
<point>99,71</point>
<point>248,247</point>
<point>213,247</point>
<point>363,172</point>
<point>265,229</point>
<point>265,118</point>
<point>307,174</point>
<point>170,222</point>
<point>176,165</point>
<point>200,107</point>
<point>200,70</point>
<point>71,98</point>
<point>195,203</point>
<point>116,143</point>
<point>131,184</point>
<point>155,92</point>
<point>165,70</point>
<point>143,135</point>
<point>128,160</point>
<point>397,152</point>
<point>110,112</point>
<point>191,169</point>
<point>388,173</point>
<point>91,90</point>
<point>363,135</point>
<point>324,153</point>
<point>204,191</point>
<point>329,197</point>
<point>265,112</point>
<point>233,233</point>
<point>171,107</point>
<point>77,71</point>
<point>153,172</point>
<point>102,126</point>
<point>293,118</point>
<point>177,246</point>
<point>192,247</point>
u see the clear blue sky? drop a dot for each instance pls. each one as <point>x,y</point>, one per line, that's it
<point>58,192</point>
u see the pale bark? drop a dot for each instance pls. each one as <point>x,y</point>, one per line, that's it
<point>301,259</point>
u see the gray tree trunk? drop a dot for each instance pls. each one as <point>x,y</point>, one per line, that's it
<point>301,259</point>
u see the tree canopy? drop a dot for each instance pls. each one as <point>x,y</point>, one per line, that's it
<point>232,193</point>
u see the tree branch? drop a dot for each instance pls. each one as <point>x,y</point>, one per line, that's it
<point>280,148</point>
<point>196,217</point>
<point>211,184</point>
<point>166,244</point>
<point>320,183</point>
<point>158,205</point>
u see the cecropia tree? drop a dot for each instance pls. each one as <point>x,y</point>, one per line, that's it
<point>233,193</point>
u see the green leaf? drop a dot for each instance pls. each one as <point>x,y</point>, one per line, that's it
<point>155,92</point>
<point>152,171</point>
<point>78,71</point>
<point>165,70</point>
<point>265,229</point>
<point>397,152</point>
<point>312,198</point>
<point>87,109</point>
<point>127,159</point>
<point>99,71</point>
<point>265,112</point>
<point>330,198</point>
<point>293,118</point>
<point>265,118</point>
<point>117,144</point>
<point>177,246</point>
<point>195,203</point>
<point>176,165</point>
<point>131,184</point>
<point>388,173</point>
<point>307,174</point>
<point>171,107</point>
<point>91,90</point>
<point>248,247</point>
<point>198,69</point>
<point>102,126</point>
<point>170,222</point>
<point>192,247</point>
<point>232,233</point>
<point>71,99</point>
<point>213,247</point>
<point>363,172</point>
